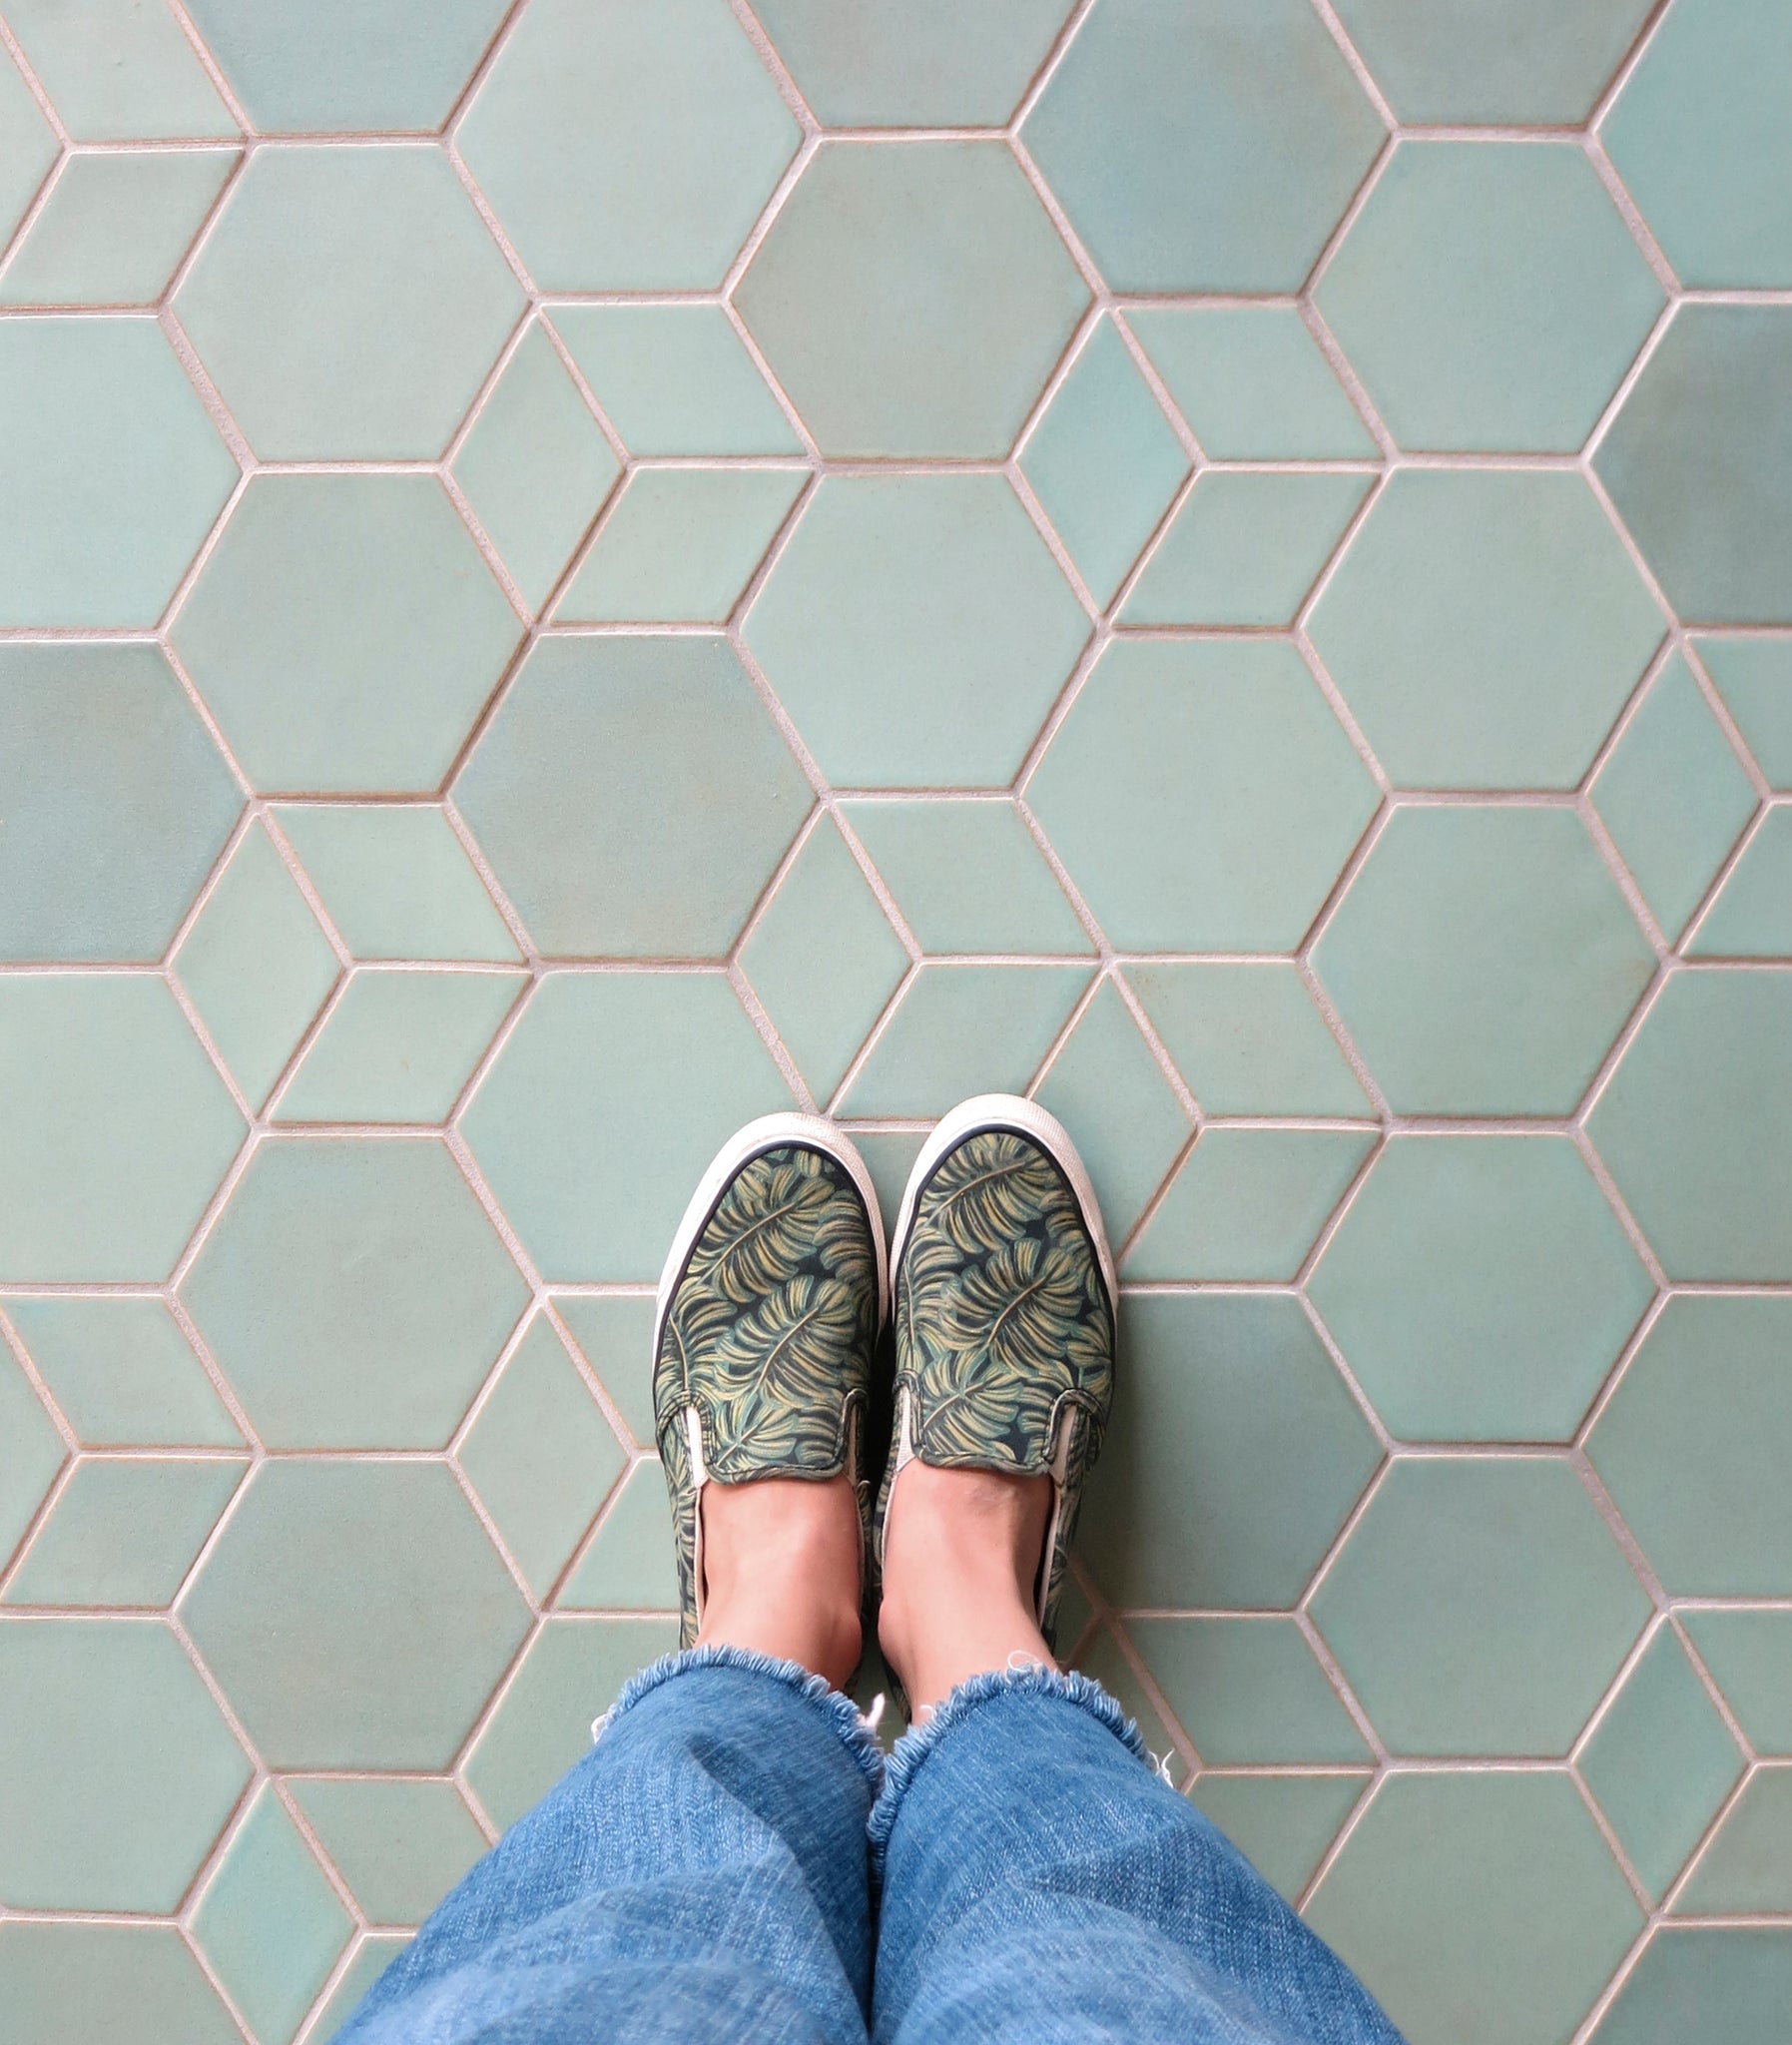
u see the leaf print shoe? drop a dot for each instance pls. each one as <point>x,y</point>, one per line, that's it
<point>768,1311</point>
<point>1004,1314</point>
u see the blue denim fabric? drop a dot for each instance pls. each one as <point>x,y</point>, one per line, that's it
<point>713,1870</point>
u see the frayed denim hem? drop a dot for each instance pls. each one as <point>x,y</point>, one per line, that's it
<point>842,1715</point>
<point>912,1749</point>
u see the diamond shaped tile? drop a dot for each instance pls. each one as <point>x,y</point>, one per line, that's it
<point>1754,678</point>
<point>28,144</point>
<point>117,1770</point>
<point>1281,1823</point>
<point>1480,1287</point>
<point>1483,960</point>
<point>1752,915</point>
<point>614,1333</point>
<point>353,1293</point>
<point>116,1129</point>
<point>629,1566</point>
<point>115,227</point>
<point>1489,295</point>
<point>1485,627</point>
<point>1202,795</point>
<point>1248,1690</point>
<point>633,796</point>
<point>1206,148</point>
<point>118,72</point>
<point>375,1953</point>
<point>134,1984</point>
<point>627,147</point>
<point>675,380</point>
<point>1248,1203</point>
<point>1736,1980</point>
<point>31,1453</point>
<point>1749,1653</point>
<point>354,1613</point>
<point>346,632</point>
<point>1249,1039</point>
<point>1481,1607</point>
<point>916,629</point>
<point>121,1373</point>
<point>123,1531</point>
<point>399,1842</point>
<point>911,297</point>
<point>1747,1867</point>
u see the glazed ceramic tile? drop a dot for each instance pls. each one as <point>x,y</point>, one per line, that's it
<point>1248,1690</point>
<point>1281,1823</point>
<point>1754,678</point>
<point>125,1531</point>
<point>121,1373</point>
<point>675,380</point>
<point>1753,914</point>
<point>1249,1039</point>
<point>1747,1867</point>
<point>1736,1978</point>
<point>1750,1655</point>
<point>28,145</point>
<point>115,227</point>
<point>400,1843</point>
<point>629,1564</point>
<point>614,1334</point>
<point>31,1454</point>
<point>1106,1661</point>
<point>890,1158</point>
<point>132,1982</point>
<point>370,1959</point>
<point>118,72</point>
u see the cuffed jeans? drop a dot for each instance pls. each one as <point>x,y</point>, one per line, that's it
<point>733,1860</point>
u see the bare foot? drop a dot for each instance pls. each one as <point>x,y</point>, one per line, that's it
<point>961,1553</point>
<point>781,1566</point>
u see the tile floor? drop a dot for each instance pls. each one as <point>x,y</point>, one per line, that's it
<point>575,572</point>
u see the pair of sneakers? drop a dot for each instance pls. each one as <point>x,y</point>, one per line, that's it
<point>999,1288</point>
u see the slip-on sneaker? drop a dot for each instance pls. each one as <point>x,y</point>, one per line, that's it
<point>768,1311</point>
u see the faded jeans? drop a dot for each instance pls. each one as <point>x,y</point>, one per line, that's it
<point>734,1860</point>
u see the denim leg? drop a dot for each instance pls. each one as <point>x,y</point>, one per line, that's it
<point>1040,1884</point>
<point>700,1876</point>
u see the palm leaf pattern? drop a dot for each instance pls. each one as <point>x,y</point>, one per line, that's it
<point>769,1337</point>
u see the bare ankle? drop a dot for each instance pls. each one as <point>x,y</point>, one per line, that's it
<point>782,1572</point>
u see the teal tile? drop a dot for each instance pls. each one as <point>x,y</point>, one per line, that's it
<point>117,1770</point>
<point>1104,462</point>
<point>1232,1461</point>
<point>395,881</point>
<point>399,1046</point>
<point>1484,1910</point>
<point>1674,796</point>
<point>890,1158</point>
<point>122,1373</point>
<point>1735,1983</point>
<point>1483,961</point>
<point>589,1128</point>
<point>1698,136</point>
<point>371,589</point>
<point>1202,795</point>
<point>1696,1125</point>
<point>1103,1658</point>
<point>1754,678</point>
<point>542,1457</point>
<point>629,1566</point>
<point>115,227</point>
<point>615,1336</point>
<point>1480,1288</point>
<point>1208,152</point>
<point>132,1984</point>
<point>1481,1607</point>
<point>668,103</point>
<point>31,1453</point>
<point>125,1531</point>
<point>354,1613</point>
<point>1248,1690</point>
<point>825,960</point>
<point>911,63</point>
<point>1750,1655</point>
<point>571,1673</point>
<point>348,303</point>
<point>916,629</point>
<point>675,380</point>
<point>1248,1038</point>
<point>347,63</point>
<point>1252,382</point>
<point>353,1293</point>
<point>1541,62</point>
<point>118,71</point>
<point>1248,1203</point>
<point>1702,489</point>
<point>535,467</point>
<point>1747,1868</point>
<point>1107,1087</point>
<point>1692,1446</point>
<point>270,1922</point>
<point>1282,1824</point>
<point>256,965</point>
<point>1752,915</point>
<point>913,298</point>
<point>1245,548</point>
<point>118,1129</point>
<point>28,145</point>
<point>115,471</point>
<point>116,802</point>
<point>375,1952</point>
<point>633,796</point>
<point>1661,1763</point>
<point>1485,627</point>
<point>1489,295</point>
<point>963,1029</point>
<point>968,876</point>
<point>400,1844</point>
<point>680,545</point>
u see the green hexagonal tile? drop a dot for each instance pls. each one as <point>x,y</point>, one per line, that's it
<point>911,297</point>
<point>1203,149</point>
<point>1481,1607</point>
<point>118,72</point>
<point>31,1453</point>
<point>1282,1824</point>
<point>123,1531</point>
<point>675,380</point>
<point>1736,1981</point>
<point>1249,1039</point>
<point>1754,677</point>
<point>1248,1690</point>
<point>122,1373</point>
<point>1752,915</point>
<point>132,1984</point>
<point>399,1842</point>
<point>1202,795</point>
<point>353,1293</point>
<point>354,1613</point>
<point>1750,1655</point>
<point>115,227</point>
